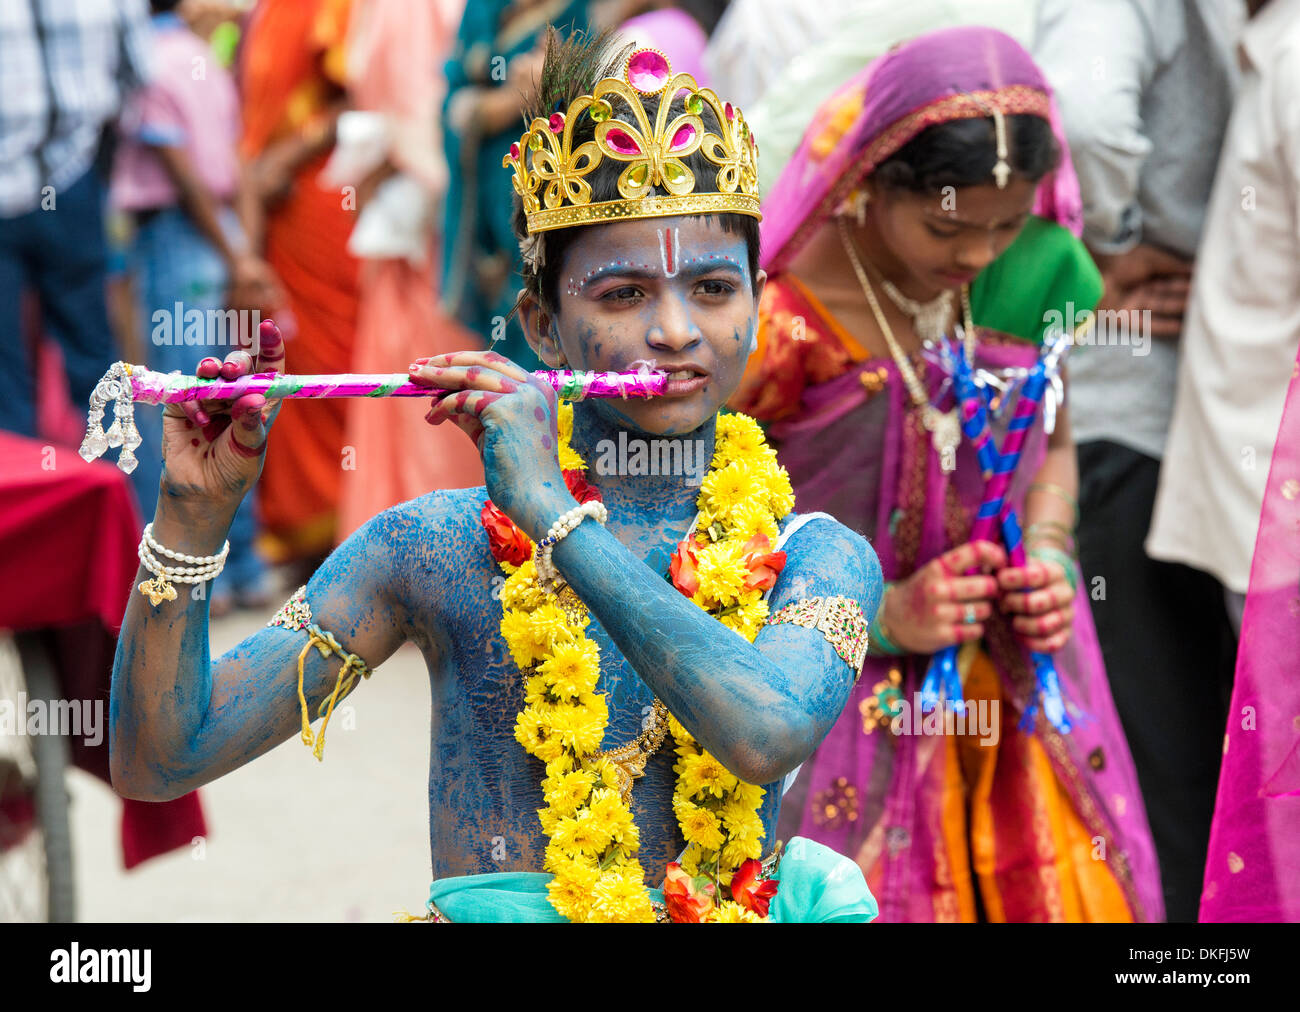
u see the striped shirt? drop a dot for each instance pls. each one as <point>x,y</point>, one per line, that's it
<point>65,66</point>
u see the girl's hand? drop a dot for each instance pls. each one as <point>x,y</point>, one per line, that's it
<point>212,450</point>
<point>1040,598</point>
<point>938,606</point>
<point>511,416</point>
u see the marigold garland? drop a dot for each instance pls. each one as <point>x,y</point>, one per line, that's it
<point>725,567</point>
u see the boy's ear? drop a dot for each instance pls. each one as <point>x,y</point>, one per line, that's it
<point>539,329</point>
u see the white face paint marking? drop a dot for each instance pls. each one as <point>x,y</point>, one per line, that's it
<point>669,251</point>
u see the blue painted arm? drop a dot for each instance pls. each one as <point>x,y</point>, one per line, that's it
<point>761,708</point>
<point>179,719</point>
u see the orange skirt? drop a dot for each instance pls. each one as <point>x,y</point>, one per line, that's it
<point>1009,829</point>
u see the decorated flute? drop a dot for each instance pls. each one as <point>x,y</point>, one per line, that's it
<point>124,385</point>
<point>148,387</point>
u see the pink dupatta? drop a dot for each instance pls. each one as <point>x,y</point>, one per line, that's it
<point>1253,868</point>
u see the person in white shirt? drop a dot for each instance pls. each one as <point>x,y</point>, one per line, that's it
<point>1243,319</point>
<point>1146,89</point>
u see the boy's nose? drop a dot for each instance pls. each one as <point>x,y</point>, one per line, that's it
<point>674,329</point>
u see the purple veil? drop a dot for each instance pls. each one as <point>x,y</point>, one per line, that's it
<point>1253,869</point>
<point>892,100</point>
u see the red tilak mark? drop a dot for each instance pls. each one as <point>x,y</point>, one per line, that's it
<point>667,253</point>
<point>194,442</point>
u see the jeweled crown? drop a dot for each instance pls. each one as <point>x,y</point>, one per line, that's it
<point>550,173</point>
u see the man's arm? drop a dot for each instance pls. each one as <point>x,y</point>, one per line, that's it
<point>761,708</point>
<point>179,719</point>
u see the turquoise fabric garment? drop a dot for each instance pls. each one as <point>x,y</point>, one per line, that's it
<point>817,886</point>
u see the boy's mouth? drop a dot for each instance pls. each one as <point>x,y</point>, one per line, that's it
<point>684,379</point>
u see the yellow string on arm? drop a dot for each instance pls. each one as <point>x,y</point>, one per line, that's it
<point>352,666</point>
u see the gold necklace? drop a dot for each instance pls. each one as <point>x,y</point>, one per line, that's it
<point>944,427</point>
<point>929,319</point>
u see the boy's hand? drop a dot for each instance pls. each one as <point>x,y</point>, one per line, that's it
<point>511,416</point>
<point>1040,598</point>
<point>212,450</point>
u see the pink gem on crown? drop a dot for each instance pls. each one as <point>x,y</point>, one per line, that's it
<point>648,71</point>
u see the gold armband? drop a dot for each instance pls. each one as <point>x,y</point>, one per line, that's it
<point>296,614</point>
<point>839,619</point>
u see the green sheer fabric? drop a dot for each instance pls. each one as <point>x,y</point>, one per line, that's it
<point>1046,268</point>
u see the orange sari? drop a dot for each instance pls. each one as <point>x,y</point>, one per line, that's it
<point>397,49</point>
<point>292,68</point>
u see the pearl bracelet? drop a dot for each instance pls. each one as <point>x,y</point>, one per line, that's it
<point>201,568</point>
<point>567,522</point>
<point>194,560</point>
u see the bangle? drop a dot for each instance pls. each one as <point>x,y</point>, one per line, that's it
<point>546,571</point>
<point>201,568</point>
<point>1061,541</point>
<point>1050,525</point>
<point>879,643</point>
<point>1059,492</point>
<point>1045,553</point>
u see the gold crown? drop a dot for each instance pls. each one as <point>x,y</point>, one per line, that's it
<point>545,160</point>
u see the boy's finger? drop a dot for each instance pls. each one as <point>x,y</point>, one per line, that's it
<point>247,430</point>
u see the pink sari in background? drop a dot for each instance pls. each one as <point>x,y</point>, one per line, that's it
<point>1252,872</point>
<point>395,57</point>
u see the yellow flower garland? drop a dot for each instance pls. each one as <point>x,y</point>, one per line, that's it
<point>593,846</point>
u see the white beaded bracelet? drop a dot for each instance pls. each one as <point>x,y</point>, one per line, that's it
<point>567,522</point>
<point>201,568</point>
<point>199,560</point>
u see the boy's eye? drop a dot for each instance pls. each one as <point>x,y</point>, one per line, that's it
<point>941,233</point>
<point>623,293</point>
<point>715,286</point>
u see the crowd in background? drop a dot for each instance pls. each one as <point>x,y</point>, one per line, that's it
<point>336,165</point>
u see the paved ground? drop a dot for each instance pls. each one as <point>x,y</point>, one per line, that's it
<point>289,839</point>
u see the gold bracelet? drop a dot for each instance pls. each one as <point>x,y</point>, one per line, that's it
<point>1059,492</point>
<point>1052,532</point>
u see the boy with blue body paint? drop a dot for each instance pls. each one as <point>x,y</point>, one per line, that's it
<point>680,288</point>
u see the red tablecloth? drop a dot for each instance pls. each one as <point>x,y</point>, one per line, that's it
<point>68,535</point>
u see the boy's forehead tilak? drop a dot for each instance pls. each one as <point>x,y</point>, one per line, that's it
<point>673,257</point>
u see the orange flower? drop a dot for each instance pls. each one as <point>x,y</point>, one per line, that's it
<point>508,542</point>
<point>750,891</point>
<point>578,486</point>
<point>682,568</point>
<point>689,900</point>
<point>764,566</point>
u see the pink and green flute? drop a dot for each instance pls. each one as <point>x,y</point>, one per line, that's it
<point>150,387</point>
<point>124,385</point>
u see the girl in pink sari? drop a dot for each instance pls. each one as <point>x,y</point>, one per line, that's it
<point>1253,869</point>
<point>920,172</point>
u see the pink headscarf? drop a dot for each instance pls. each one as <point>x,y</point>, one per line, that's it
<point>953,73</point>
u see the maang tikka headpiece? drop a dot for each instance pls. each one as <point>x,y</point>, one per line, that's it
<point>549,173</point>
